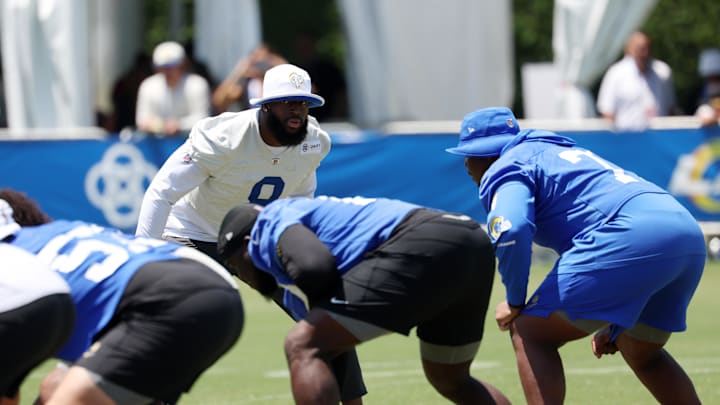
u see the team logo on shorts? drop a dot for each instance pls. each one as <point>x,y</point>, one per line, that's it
<point>92,350</point>
<point>533,301</point>
<point>497,226</point>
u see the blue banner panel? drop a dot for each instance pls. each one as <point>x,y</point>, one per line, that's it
<point>103,181</point>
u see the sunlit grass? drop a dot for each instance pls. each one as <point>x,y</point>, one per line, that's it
<point>254,371</point>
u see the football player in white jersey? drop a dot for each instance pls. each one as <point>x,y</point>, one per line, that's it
<point>37,313</point>
<point>257,156</point>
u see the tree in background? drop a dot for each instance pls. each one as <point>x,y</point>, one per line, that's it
<point>679,31</point>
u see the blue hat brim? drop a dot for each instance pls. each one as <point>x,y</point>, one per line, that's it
<point>313,100</point>
<point>482,147</point>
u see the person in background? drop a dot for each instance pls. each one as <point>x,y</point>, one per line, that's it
<point>630,255</point>
<point>708,102</point>
<point>152,316</point>
<point>125,92</point>
<point>245,81</point>
<point>637,88</point>
<point>330,79</point>
<point>172,100</point>
<point>37,313</point>
<point>367,267</point>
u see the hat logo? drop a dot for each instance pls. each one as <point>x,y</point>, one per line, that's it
<point>471,130</point>
<point>510,122</point>
<point>296,80</point>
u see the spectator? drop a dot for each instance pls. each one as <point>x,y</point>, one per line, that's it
<point>196,65</point>
<point>630,255</point>
<point>246,80</point>
<point>172,100</point>
<point>329,78</point>
<point>709,113</point>
<point>125,92</point>
<point>637,88</point>
<point>708,101</point>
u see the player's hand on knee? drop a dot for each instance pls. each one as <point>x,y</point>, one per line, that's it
<point>505,314</point>
<point>602,343</point>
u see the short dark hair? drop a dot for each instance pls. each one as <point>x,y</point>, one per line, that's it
<point>26,212</point>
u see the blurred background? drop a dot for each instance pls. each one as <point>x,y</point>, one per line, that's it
<point>401,60</point>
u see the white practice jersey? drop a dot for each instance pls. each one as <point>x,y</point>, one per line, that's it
<point>24,278</point>
<point>224,163</point>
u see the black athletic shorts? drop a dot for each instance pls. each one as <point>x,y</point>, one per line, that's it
<point>31,334</point>
<point>435,272</point>
<point>209,248</point>
<point>345,367</point>
<point>175,319</point>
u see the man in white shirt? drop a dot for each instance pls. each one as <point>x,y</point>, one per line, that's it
<point>636,88</point>
<point>37,313</point>
<point>172,100</point>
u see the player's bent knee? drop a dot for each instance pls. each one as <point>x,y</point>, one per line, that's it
<point>447,379</point>
<point>638,352</point>
<point>298,339</point>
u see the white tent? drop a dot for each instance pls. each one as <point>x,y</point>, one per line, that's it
<point>588,35</point>
<point>46,63</point>
<point>406,59</point>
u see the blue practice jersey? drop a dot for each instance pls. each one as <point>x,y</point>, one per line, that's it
<point>349,227</point>
<point>97,263</point>
<point>545,189</point>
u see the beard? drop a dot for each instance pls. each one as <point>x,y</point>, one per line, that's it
<point>283,136</point>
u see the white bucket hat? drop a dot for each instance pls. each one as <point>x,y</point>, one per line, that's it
<point>8,226</point>
<point>168,54</point>
<point>287,82</point>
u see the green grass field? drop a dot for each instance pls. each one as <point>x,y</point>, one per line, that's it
<point>254,371</point>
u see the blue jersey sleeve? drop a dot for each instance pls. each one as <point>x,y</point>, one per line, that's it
<point>511,226</point>
<point>294,305</point>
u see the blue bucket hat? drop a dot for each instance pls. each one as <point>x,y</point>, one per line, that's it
<point>485,132</point>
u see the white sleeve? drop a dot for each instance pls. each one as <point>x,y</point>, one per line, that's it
<point>175,178</point>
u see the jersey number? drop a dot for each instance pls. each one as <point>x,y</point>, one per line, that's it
<point>275,184</point>
<point>574,156</point>
<point>112,251</point>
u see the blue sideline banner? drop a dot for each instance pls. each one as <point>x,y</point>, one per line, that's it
<point>103,181</point>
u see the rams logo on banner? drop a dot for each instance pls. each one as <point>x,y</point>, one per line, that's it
<point>696,176</point>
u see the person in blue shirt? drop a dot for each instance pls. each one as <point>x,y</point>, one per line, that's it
<point>151,315</point>
<point>354,269</point>
<point>630,256</point>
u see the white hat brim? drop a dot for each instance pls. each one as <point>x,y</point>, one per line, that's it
<point>313,99</point>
